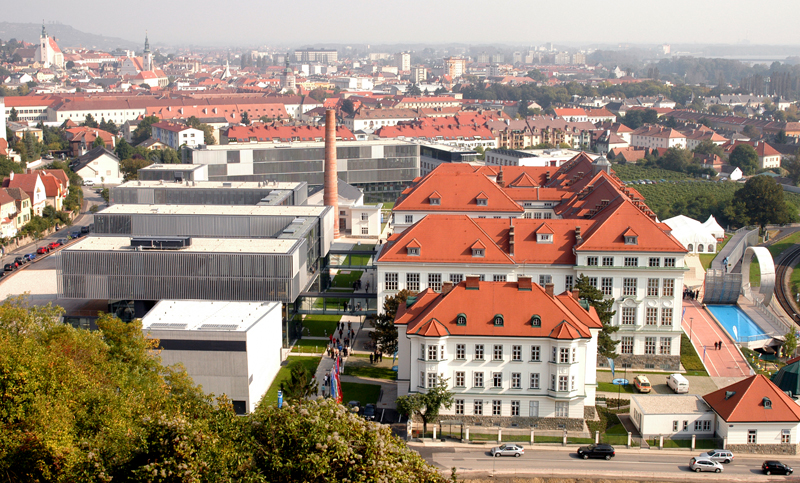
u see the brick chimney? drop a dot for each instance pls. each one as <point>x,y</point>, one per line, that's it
<point>524,283</point>
<point>331,189</point>
<point>473,281</point>
<point>548,287</point>
<point>511,238</point>
<point>446,288</point>
<point>578,237</point>
<point>576,294</point>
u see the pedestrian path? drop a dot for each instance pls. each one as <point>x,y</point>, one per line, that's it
<point>704,333</point>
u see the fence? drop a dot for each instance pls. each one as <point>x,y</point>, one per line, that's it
<point>492,434</point>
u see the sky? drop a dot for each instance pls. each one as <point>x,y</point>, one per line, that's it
<point>513,22</point>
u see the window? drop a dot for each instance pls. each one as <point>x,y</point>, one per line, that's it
<point>652,287</point>
<point>654,262</point>
<point>569,282</point>
<point>421,378</point>
<point>686,425</point>
<point>786,435</point>
<point>412,282</point>
<point>562,409</point>
<point>536,353</point>
<point>479,352</point>
<point>563,355</point>
<point>669,287</point>
<point>563,383</point>
<point>751,436</point>
<point>675,426</point>
<point>432,352</point>
<point>591,261</point>
<point>497,379</point>
<point>533,409</point>
<point>593,281</point>
<point>516,380</point>
<point>364,216</point>
<point>608,261</point>
<point>497,353</point>
<point>422,351</point>
<point>409,219</point>
<point>666,316</point>
<point>545,279</point>
<point>435,281</point>
<point>432,379</point>
<point>535,381</point>
<point>650,345</point>
<point>631,240</point>
<point>571,383</point>
<point>461,319</point>
<point>478,252</point>
<point>631,261</point>
<point>629,286</point>
<point>441,353</point>
<point>456,277</point>
<point>365,230</point>
<point>574,355</point>
<point>552,382</point>
<point>607,285</point>
<point>460,407</point>
<point>390,281</point>
<point>482,202</point>
<point>515,408</point>
<point>478,379</point>
<point>482,278</point>
<point>626,345</point>
<point>536,321</point>
<point>628,315</point>
<point>669,262</point>
<point>516,352</point>
<point>497,407</point>
<point>651,316</point>
<point>701,425</point>
<point>461,351</point>
<point>498,278</point>
<point>435,201</point>
<point>477,407</point>
<point>665,348</point>
<point>498,320</point>
<point>460,380</point>
<point>553,355</point>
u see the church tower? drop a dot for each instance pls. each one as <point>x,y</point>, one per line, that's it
<point>42,51</point>
<point>147,57</point>
<point>288,79</point>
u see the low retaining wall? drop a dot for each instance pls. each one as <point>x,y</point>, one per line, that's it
<point>788,449</point>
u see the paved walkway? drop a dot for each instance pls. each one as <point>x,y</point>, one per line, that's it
<point>726,251</point>
<point>727,362</point>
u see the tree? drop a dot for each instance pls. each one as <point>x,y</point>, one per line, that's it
<point>751,131</point>
<point>745,158</point>
<point>130,167</point>
<point>763,202</point>
<point>348,107</point>
<point>98,141</point>
<point>708,147</point>
<point>537,75</point>
<point>414,90</point>
<point>793,167</point>
<point>208,131</point>
<point>13,115</point>
<point>676,159</point>
<point>89,121</point>
<point>245,118</point>
<point>123,149</point>
<point>790,343</point>
<point>385,330</point>
<point>8,166</point>
<point>426,404</point>
<point>144,130</point>
<point>109,126</point>
<point>780,137</point>
<point>606,346</point>
<point>301,384</point>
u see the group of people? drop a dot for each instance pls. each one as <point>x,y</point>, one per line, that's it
<point>717,345</point>
<point>690,294</point>
<point>376,357</point>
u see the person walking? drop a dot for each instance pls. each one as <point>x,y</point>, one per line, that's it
<point>370,358</point>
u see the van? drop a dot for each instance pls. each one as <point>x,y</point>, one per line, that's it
<point>678,383</point>
<point>642,384</point>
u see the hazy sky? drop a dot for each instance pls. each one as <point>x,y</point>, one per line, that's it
<point>233,22</point>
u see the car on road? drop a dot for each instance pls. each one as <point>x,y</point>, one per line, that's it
<point>86,229</point>
<point>21,261</point>
<point>10,267</point>
<point>61,241</point>
<point>369,412</point>
<point>721,455</point>
<point>88,182</point>
<point>54,244</point>
<point>596,451</point>
<point>508,450</point>
<point>704,464</point>
<point>75,234</point>
<point>772,467</point>
<point>30,257</point>
<point>43,250</point>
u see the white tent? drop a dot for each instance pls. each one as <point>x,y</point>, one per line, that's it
<point>692,234</point>
<point>713,227</point>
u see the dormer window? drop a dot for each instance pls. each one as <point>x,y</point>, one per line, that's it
<point>544,238</point>
<point>413,248</point>
<point>483,202</point>
<point>536,321</point>
<point>435,201</point>
<point>478,252</point>
<point>461,319</point>
<point>498,320</point>
<point>767,403</point>
<point>631,240</point>
<point>413,251</point>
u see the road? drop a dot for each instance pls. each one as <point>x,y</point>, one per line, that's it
<point>557,461</point>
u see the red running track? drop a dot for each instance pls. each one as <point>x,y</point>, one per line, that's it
<point>726,362</point>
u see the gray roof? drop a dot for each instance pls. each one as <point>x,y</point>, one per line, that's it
<point>82,161</point>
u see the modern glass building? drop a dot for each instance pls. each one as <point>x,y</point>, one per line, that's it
<point>381,169</point>
<point>209,193</point>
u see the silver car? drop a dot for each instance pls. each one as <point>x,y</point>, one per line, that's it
<point>720,455</point>
<point>508,450</point>
<point>704,464</point>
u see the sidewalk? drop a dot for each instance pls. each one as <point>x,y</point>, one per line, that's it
<point>727,362</point>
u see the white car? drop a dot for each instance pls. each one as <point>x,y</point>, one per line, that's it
<point>88,182</point>
<point>508,450</point>
<point>704,464</point>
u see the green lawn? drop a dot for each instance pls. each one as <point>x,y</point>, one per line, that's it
<point>345,280</point>
<point>689,358</point>
<point>310,345</point>
<point>608,387</point>
<point>315,325</point>
<point>707,258</point>
<point>357,260</point>
<point>310,363</point>
<point>363,393</point>
<point>372,371</point>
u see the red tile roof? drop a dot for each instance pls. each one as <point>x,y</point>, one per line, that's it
<point>267,132</point>
<point>458,191</point>
<point>746,403</point>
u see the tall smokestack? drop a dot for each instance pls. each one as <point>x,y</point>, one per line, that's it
<point>331,193</point>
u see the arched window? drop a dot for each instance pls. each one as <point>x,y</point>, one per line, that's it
<point>700,248</point>
<point>461,319</point>
<point>690,248</point>
<point>498,319</point>
<point>536,321</point>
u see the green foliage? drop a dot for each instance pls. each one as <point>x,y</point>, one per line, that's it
<point>792,166</point>
<point>109,126</point>
<point>694,198</point>
<point>745,158</point>
<point>144,130</point>
<point>105,194</point>
<point>130,167</point>
<point>426,404</point>
<point>348,107</point>
<point>762,201</point>
<point>123,150</point>
<point>208,131</point>
<point>385,330</point>
<point>606,346</point>
<point>790,343</point>
<point>98,142</point>
<point>13,115</point>
<point>7,166</point>
<point>245,118</point>
<point>630,172</point>
<point>689,358</point>
<point>638,118</point>
<point>301,384</point>
<point>709,147</point>
<point>74,198</point>
<point>414,90</point>
<point>89,121</point>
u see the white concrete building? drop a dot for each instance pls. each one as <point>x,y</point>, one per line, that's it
<point>529,157</point>
<point>657,137</point>
<point>98,165</point>
<point>177,135</point>
<point>402,60</point>
<point>355,218</point>
<point>231,348</point>
<point>369,120</point>
<point>673,416</point>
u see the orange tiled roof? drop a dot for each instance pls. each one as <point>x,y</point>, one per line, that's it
<point>746,403</point>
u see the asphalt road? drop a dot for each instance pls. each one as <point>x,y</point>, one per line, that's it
<point>631,464</point>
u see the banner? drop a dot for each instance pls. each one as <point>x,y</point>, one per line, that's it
<point>611,363</point>
<point>336,383</point>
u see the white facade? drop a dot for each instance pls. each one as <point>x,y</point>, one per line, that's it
<point>652,141</point>
<point>231,348</point>
<point>354,83</point>
<point>104,169</point>
<point>402,60</point>
<point>760,433</point>
<point>117,114</point>
<point>530,157</point>
<point>369,123</point>
<point>177,137</point>
<point>672,416</point>
<point>3,115</point>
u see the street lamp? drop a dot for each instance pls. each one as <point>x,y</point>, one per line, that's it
<point>691,324</point>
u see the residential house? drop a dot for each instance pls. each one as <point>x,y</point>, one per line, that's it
<point>176,135</point>
<point>768,157</point>
<point>673,416</point>
<point>608,141</point>
<point>98,165</point>
<point>700,134</point>
<point>23,204</point>
<point>653,136</point>
<point>82,138</point>
<point>510,351</point>
<point>55,191</point>
<point>371,119</point>
<point>8,214</point>
<point>571,114</point>
<point>32,185</point>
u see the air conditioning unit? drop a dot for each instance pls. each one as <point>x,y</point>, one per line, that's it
<point>161,243</point>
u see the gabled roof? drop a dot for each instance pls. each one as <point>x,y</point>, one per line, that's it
<point>83,161</point>
<point>523,181</point>
<point>432,328</point>
<point>744,402</point>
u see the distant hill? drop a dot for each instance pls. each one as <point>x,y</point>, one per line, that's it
<point>66,36</point>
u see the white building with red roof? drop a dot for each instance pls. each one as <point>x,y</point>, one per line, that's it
<point>47,52</point>
<point>507,349</point>
<point>768,157</point>
<point>176,135</point>
<point>653,136</point>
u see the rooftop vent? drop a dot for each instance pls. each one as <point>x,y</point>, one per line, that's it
<point>729,394</point>
<point>227,185</point>
<point>161,243</point>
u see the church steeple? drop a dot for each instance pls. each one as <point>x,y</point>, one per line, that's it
<point>44,31</point>
<point>146,43</point>
<point>147,57</point>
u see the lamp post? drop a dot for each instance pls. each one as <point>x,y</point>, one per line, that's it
<point>691,324</point>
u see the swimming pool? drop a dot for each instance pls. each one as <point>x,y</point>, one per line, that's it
<point>731,316</point>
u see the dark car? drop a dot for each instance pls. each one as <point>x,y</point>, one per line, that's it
<point>30,257</point>
<point>21,261</point>
<point>369,412</point>
<point>776,468</point>
<point>54,244</point>
<point>596,451</point>
<point>10,267</point>
<point>43,250</point>
<point>75,234</point>
<point>85,230</point>
<point>61,241</point>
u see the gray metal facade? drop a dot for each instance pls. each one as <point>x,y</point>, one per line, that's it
<point>131,194</point>
<point>208,225</point>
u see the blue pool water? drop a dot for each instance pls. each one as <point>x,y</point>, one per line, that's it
<point>731,316</point>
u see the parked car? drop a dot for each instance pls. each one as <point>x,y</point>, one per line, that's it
<point>75,234</point>
<point>88,182</point>
<point>776,468</point>
<point>85,230</point>
<point>61,241</point>
<point>369,412</point>
<point>642,384</point>
<point>21,261</point>
<point>704,464</point>
<point>10,267</point>
<point>721,455</point>
<point>30,257</point>
<point>508,450</point>
<point>54,244</point>
<point>596,451</point>
<point>43,250</point>
<point>353,405</point>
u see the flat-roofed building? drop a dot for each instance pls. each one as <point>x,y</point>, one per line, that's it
<point>174,172</point>
<point>231,348</point>
<point>432,155</point>
<point>209,192</point>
